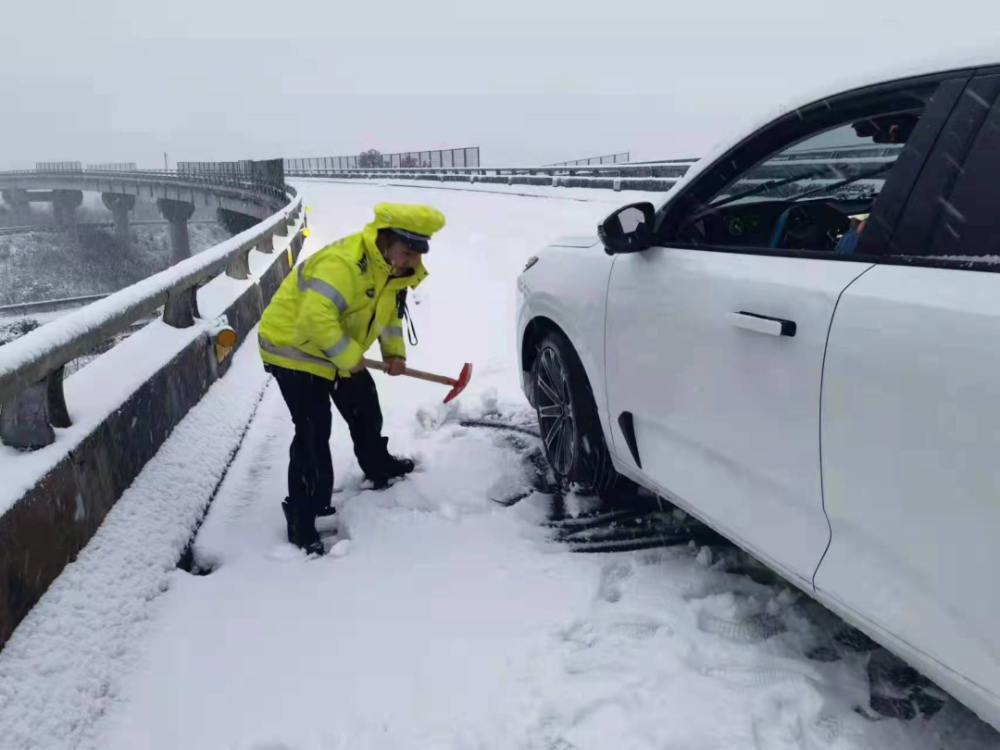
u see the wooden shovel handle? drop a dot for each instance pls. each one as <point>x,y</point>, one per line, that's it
<point>375,364</point>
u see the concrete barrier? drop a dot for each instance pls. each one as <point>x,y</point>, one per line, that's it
<point>48,526</point>
<point>524,179</point>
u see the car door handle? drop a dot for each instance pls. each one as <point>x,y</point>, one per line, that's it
<point>762,323</point>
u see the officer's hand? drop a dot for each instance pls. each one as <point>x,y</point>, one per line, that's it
<point>396,366</point>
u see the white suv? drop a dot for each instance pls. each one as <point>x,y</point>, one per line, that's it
<point>802,348</point>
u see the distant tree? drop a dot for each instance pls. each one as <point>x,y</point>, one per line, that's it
<point>408,161</point>
<point>372,158</point>
<point>16,329</point>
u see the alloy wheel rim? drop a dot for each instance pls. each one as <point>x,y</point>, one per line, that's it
<point>555,411</point>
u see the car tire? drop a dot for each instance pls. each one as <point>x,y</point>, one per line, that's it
<point>567,417</point>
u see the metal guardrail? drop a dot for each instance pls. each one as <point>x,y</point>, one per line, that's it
<point>658,177</point>
<point>48,305</point>
<point>31,367</point>
<point>674,170</point>
<point>58,166</point>
<point>621,158</point>
<point>445,158</point>
<point>125,166</point>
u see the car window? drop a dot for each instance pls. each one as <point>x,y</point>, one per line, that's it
<point>816,191</point>
<point>952,213</point>
<point>843,163</point>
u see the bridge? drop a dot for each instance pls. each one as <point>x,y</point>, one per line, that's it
<point>176,194</point>
<point>147,595</point>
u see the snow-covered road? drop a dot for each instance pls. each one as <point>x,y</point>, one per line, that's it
<point>450,622</point>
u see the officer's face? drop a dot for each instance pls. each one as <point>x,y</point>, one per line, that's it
<point>401,257</point>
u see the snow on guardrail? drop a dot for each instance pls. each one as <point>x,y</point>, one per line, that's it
<point>30,358</point>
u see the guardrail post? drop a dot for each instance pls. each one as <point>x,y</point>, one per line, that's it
<point>281,229</point>
<point>266,244</point>
<point>239,267</point>
<point>24,419</point>
<point>297,242</point>
<point>181,308</point>
<point>56,399</point>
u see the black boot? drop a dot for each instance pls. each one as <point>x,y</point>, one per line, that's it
<point>392,468</point>
<point>301,520</point>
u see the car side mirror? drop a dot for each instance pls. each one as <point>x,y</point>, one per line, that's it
<point>629,229</point>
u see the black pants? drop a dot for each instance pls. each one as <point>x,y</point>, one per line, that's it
<point>310,466</point>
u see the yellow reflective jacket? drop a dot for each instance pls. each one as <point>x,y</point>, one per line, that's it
<point>332,307</point>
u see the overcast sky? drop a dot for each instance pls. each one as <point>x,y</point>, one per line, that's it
<point>529,81</point>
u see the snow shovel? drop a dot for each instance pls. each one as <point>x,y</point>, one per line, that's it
<point>457,385</point>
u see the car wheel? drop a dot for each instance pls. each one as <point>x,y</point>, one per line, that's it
<point>567,417</point>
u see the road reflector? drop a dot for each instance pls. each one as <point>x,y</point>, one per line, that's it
<point>309,208</point>
<point>225,340</point>
<point>305,232</point>
<point>226,337</point>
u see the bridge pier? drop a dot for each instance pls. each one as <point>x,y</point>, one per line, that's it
<point>182,309</point>
<point>120,205</point>
<point>64,205</point>
<point>177,213</point>
<point>18,200</point>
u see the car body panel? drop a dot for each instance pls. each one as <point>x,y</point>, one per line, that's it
<point>727,418</point>
<point>568,286</point>
<point>911,461</point>
<point>586,240</point>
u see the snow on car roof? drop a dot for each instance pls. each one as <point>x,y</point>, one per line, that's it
<point>926,65</point>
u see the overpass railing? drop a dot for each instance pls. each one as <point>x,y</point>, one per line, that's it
<point>174,177</point>
<point>94,225</point>
<point>658,176</point>
<point>31,367</point>
<point>671,169</point>
<point>653,176</point>
<point>621,158</point>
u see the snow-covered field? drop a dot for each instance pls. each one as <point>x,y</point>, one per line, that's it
<point>446,621</point>
<point>51,265</point>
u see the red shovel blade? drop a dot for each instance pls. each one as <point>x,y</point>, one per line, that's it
<point>463,380</point>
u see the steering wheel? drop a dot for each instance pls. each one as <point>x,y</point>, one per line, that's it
<point>791,217</point>
<point>814,226</point>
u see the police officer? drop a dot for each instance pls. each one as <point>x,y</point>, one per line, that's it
<point>329,310</point>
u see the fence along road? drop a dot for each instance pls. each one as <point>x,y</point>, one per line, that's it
<point>657,176</point>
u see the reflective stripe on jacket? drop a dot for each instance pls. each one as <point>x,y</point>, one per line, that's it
<point>333,306</point>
